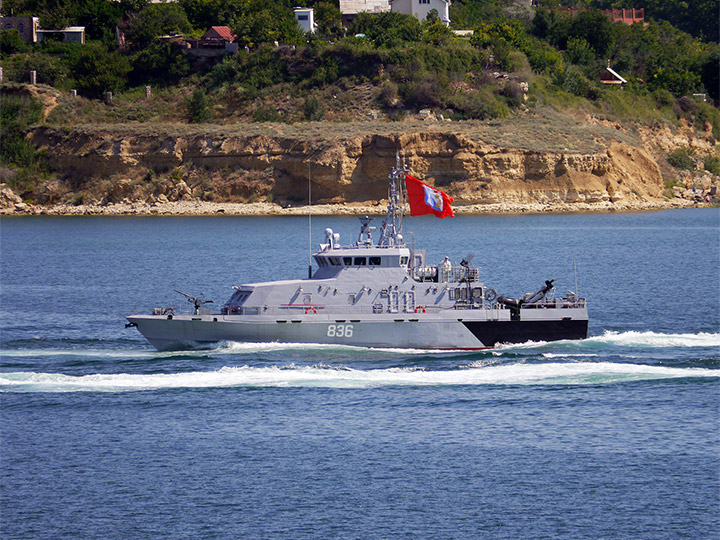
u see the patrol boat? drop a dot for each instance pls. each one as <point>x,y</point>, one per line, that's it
<point>369,294</point>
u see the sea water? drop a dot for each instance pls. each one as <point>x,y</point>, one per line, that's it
<point>615,436</point>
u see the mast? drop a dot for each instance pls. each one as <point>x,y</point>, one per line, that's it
<point>391,232</point>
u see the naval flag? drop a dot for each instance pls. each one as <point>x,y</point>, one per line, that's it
<point>425,199</point>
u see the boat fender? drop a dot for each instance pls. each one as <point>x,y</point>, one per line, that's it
<point>420,309</point>
<point>490,295</point>
<point>310,310</point>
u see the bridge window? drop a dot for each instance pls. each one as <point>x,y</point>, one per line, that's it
<point>347,261</point>
<point>404,261</point>
<point>375,261</point>
<point>360,261</point>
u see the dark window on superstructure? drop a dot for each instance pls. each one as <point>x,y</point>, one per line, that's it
<point>347,261</point>
<point>404,261</point>
<point>360,261</point>
<point>335,261</point>
<point>374,261</point>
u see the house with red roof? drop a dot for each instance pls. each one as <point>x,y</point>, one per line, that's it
<point>216,41</point>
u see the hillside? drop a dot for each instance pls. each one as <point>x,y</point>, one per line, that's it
<point>514,115</point>
<point>540,162</point>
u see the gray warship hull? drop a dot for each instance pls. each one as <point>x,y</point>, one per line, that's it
<point>368,294</point>
<point>422,330</point>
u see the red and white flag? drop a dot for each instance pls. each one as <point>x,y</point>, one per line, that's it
<point>426,199</point>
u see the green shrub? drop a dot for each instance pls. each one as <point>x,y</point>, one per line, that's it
<point>49,69</point>
<point>198,108</point>
<point>388,94</point>
<point>479,105</point>
<point>17,114</point>
<point>11,43</point>
<point>313,110</point>
<point>712,165</point>
<point>266,114</point>
<point>517,62</point>
<point>97,70</point>
<point>681,159</point>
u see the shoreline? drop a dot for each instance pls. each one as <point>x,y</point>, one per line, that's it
<point>203,208</point>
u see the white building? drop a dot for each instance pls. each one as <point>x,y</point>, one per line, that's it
<point>305,18</point>
<point>73,34</point>
<point>420,8</point>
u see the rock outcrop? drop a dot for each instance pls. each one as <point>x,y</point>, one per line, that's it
<point>352,169</point>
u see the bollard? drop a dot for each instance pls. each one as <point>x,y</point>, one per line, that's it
<point>108,97</point>
<point>73,93</point>
<point>33,77</point>
<point>148,92</point>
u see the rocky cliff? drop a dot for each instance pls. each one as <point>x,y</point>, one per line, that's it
<point>114,167</point>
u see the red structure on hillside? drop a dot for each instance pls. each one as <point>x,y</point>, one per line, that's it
<point>623,15</point>
<point>627,16</point>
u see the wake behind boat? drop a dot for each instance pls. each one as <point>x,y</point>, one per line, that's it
<point>383,294</point>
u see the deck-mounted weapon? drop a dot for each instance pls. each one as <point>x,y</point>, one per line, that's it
<point>197,301</point>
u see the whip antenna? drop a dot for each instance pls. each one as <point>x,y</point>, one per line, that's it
<point>577,294</point>
<point>309,224</point>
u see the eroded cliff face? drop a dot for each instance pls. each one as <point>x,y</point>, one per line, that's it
<point>349,170</point>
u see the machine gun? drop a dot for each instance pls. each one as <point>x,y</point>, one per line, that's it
<point>529,298</point>
<point>197,301</point>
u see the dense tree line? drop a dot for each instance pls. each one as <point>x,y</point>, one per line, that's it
<point>421,62</point>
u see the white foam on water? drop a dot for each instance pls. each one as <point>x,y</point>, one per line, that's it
<point>85,353</point>
<point>623,339</point>
<point>569,355</point>
<point>246,347</point>
<point>654,339</point>
<point>326,377</point>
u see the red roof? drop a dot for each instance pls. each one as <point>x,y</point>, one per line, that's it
<point>221,32</point>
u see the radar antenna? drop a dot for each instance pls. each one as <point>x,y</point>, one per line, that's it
<point>197,301</point>
<point>391,231</point>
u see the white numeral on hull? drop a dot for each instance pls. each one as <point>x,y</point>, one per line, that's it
<point>340,330</point>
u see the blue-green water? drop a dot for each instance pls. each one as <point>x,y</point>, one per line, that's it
<point>616,436</point>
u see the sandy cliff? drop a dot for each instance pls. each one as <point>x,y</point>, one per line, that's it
<point>353,169</point>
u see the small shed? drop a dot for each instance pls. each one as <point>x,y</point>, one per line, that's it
<point>610,76</point>
<point>305,18</point>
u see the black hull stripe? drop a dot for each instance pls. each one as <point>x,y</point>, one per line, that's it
<point>491,333</point>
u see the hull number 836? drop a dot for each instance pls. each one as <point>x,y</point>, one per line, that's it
<point>340,330</point>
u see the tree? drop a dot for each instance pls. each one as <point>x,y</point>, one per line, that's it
<point>156,20</point>
<point>435,31</point>
<point>595,28</point>
<point>97,70</point>
<point>99,17</point>
<point>387,29</point>
<point>266,21</point>
<point>11,43</point>
<point>160,62</point>
<point>328,19</point>
<point>203,14</point>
